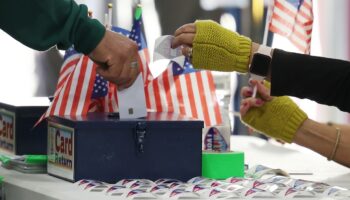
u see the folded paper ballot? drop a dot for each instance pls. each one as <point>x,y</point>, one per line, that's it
<point>132,101</point>
<point>164,53</point>
<point>163,50</point>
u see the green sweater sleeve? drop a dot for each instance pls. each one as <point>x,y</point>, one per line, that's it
<point>41,24</point>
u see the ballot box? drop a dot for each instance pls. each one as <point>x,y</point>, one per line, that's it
<point>102,147</point>
<point>17,119</point>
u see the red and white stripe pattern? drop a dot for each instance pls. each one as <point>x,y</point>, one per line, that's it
<point>66,69</point>
<point>73,95</point>
<point>191,94</point>
<point>109,103</point>
<point>293,19</point>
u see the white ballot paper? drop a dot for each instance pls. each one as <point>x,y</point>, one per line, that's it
<point>163,53</point>
<point>132,101</point>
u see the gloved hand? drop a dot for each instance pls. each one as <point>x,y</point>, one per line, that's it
<point>214,47</point>
<point>217,48</point>
<point>278,117</point>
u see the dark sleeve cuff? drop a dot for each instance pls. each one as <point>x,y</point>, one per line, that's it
<point>89,33</point>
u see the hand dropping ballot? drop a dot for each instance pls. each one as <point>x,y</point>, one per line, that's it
<point>132,103</point>
<point>163,54</point>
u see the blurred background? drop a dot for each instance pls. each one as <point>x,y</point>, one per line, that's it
<point>26,73</point>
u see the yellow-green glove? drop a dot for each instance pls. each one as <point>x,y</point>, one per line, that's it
<point>279,118</point>
<point>219,49</point>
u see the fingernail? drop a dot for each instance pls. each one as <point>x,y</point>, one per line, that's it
<point>259,102</point>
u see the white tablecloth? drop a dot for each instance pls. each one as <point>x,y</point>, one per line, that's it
<point>291,158</point>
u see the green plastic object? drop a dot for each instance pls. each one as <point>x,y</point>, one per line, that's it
<point>4,159</point>
<point>138,12</point>
<point>222,165</point>
<point>35,159</point>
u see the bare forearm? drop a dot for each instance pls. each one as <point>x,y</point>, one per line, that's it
<point>321,138</point>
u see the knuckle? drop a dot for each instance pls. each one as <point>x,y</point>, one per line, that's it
<point>130,48</point>
<point>188,28</point>
<point>183,28</point>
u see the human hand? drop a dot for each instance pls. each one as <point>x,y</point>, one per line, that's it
<point>213,47</point>
<point>184,37</point>
<point>118,60</point>
<point>278,117</point>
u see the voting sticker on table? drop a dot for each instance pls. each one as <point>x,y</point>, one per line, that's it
<point>103,147</point>
<point>216,138</point>
<point>17,118</point>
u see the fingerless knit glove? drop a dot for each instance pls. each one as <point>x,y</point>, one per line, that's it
<point>279,118</point>
<point>219,49</point>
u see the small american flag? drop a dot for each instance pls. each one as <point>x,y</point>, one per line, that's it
<point>186,91</point>
<point>293,19</point>
<point>74,88</point>
<point>182,90</point>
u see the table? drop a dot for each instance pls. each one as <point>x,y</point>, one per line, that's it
<point>289,157</point>
<point>293,159</point>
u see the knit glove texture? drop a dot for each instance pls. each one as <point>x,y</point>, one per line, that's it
<point>219,49</point>
<point>279,118</point>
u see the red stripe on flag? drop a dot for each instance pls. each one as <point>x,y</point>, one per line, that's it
<point>179,95</point>
<point>299,46</point>
<point>307,4</point>
<point>166,86</point>
<point>283,21</point>
<point>191,96</point>
<point>65,96</point>
<point>89,91</point>
<point>61,83</point>
<point>286,10</point>
<point>79,86</point>
<point>301,36</point>
<point>68,65</point>
<point>110,96</point>
<point>148,103</point>
<point>303,22</point>
<point>304,15</point>
<point>148,73</point>
<point>204,104</point>
<point>157,99</point>
<point>275,29</point>
<point>299,32</point>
